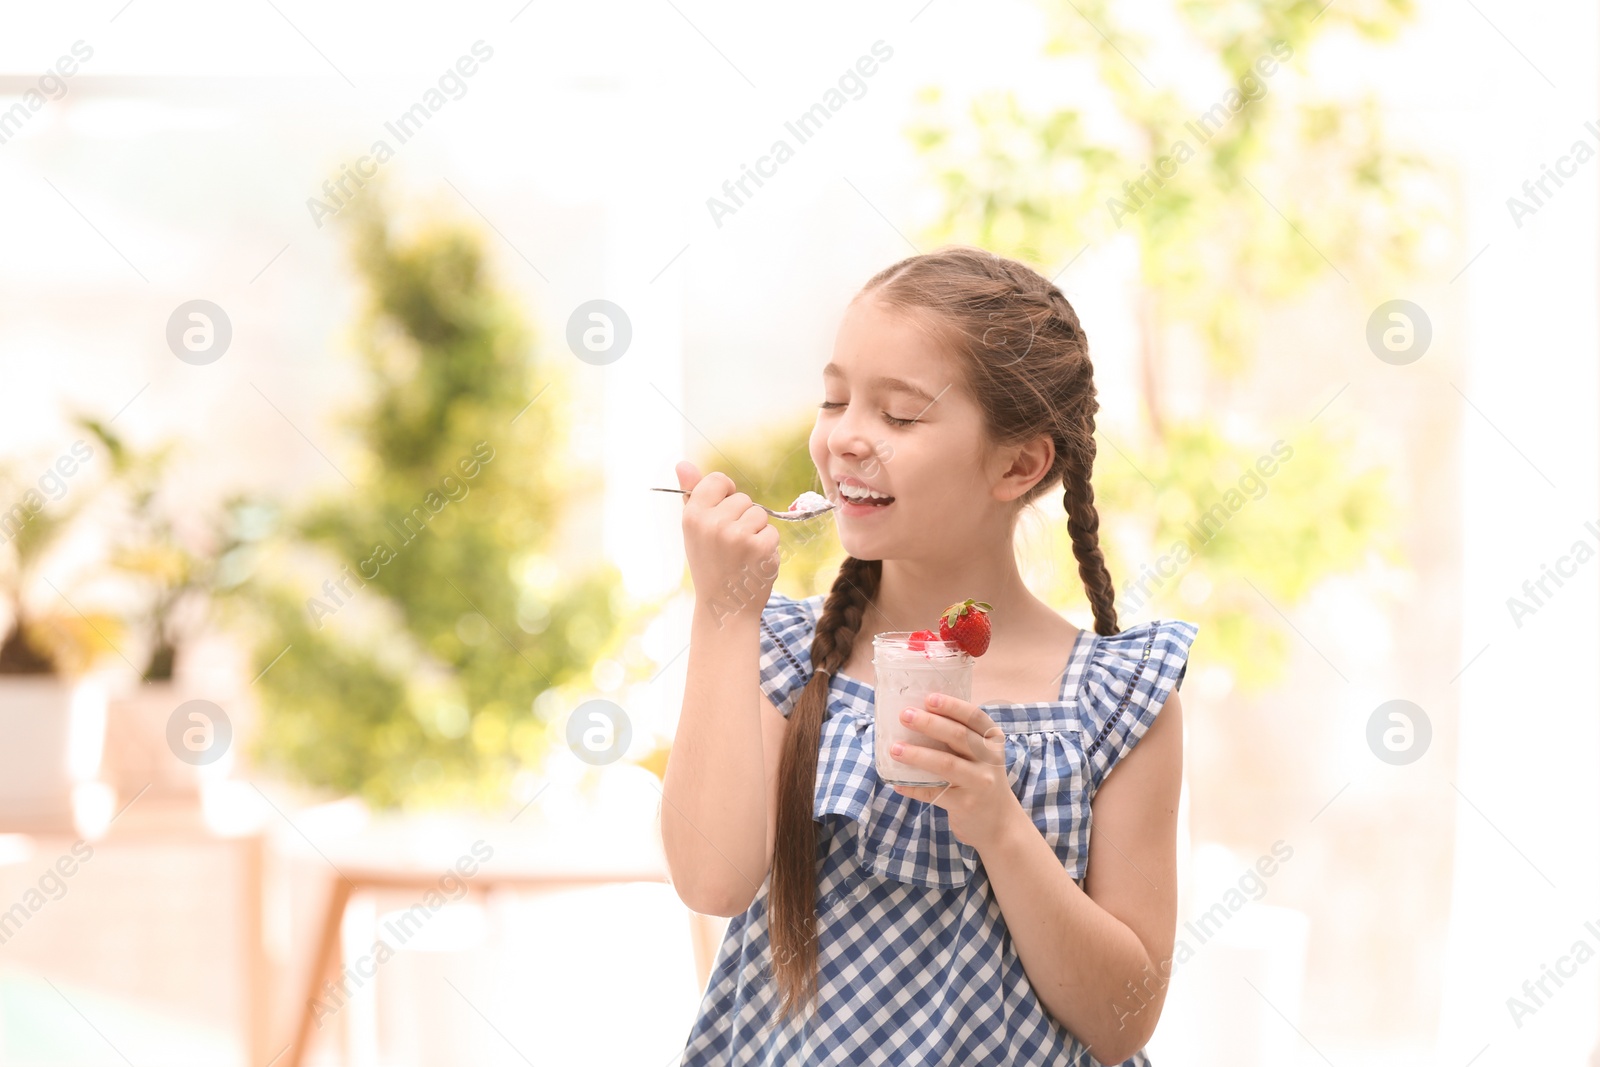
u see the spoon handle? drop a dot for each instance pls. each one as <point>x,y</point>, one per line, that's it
<point>788,516</point>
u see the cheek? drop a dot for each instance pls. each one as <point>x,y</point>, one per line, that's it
<point>944,479</point>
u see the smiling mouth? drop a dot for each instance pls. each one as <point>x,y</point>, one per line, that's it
<point>865,501</point>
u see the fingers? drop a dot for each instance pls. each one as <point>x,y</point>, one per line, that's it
<point>956,767</point>
<point>752,518</point>
<point>935,726</point>
<point>965,740</point>
<point>716,490</point>
<point>711,490</point>
<point>963,711</point>
<point>735,505</point>
<point>963,715</point>
<point>953,769</point>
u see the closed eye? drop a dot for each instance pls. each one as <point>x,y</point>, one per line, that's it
<point>828,405</point>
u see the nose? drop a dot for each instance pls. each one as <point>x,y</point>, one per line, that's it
<point>849,440</point>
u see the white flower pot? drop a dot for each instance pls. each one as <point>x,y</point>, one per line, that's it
<point>52,731</point>
<point>138,750</point>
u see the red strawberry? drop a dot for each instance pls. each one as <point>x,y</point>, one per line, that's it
<point>917,639</point>
<point>966,623</point>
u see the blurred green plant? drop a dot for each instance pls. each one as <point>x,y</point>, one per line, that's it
<point>404,658</point>
<point>1213,249</point>
<point>45,633</point>
<point>180,561</point>
<point>1215,256</point>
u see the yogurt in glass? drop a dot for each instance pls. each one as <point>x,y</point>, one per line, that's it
<point>903,677</point>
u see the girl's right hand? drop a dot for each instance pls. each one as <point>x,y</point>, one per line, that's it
<point>730,542</point>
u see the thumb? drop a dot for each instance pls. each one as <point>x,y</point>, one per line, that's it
<point>688,475</point>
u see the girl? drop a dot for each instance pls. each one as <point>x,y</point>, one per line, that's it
<point>1025,913</point>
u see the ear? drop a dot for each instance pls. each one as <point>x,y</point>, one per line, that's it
<point>1023,465</point>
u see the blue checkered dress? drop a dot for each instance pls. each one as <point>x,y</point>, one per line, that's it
<point>915,963</point>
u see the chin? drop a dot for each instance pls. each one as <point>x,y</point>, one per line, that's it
<point>866,547</point>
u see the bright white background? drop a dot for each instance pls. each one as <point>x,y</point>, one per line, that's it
<point>179,164</point>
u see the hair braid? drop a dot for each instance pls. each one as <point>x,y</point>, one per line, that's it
<point>1083,519</point>
<point>792,896</point>
<point>1083,523</point>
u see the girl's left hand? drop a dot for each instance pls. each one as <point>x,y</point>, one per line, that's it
<point>978,799</point>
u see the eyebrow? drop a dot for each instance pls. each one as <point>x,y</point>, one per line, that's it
<point>883,382</point>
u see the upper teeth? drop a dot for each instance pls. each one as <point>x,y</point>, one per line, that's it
<point>861,493</point>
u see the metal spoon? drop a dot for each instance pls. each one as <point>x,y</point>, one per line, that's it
<point>792,516</point>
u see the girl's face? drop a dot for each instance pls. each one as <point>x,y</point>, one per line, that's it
<point>896,417</point>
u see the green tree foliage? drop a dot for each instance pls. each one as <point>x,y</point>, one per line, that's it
<point>1219,542</point>
<point>1283,188</point>
<point>1285,192</point>
<point>410,677</point>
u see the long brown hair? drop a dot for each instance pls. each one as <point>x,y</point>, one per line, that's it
<point>1027,367</point>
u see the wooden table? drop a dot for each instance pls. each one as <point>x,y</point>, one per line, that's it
<point>326,959</point>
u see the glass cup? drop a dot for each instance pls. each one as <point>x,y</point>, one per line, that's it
<point>904,676</point>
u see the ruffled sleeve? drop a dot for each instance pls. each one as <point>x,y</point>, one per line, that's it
<point>786,626</point>
<point>1125,683</point>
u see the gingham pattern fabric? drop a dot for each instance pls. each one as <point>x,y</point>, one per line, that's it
<point>915,964</point>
